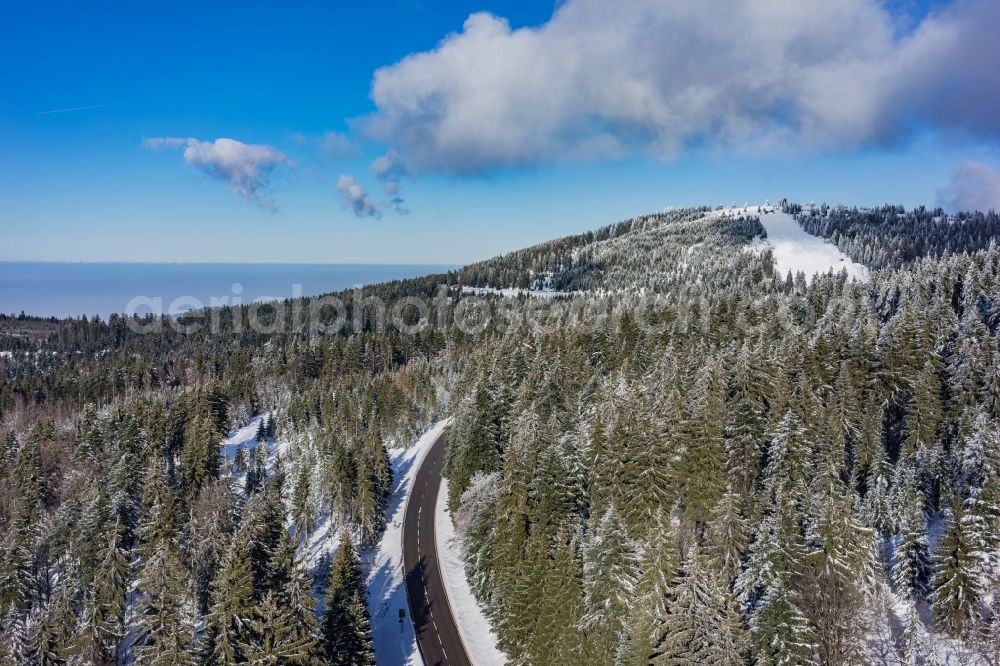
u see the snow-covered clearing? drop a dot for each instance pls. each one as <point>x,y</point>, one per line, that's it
<point>793,248</point>
<point>477,636</point>
<point>395,642</point>
<point>242,438</point>
<point>323,538</point>
<point>514,293</point>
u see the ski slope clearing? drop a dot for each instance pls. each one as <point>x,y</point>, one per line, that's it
<point>796,250</point>
<point>477,636</point>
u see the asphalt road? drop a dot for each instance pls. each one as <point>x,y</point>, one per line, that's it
<point>437,633</point>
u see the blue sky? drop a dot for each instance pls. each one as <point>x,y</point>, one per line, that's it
<point>525,123</point>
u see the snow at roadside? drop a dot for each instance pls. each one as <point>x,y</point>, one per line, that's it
<point>396,644</point>
<point>793,248</point>
<point>477,636</point>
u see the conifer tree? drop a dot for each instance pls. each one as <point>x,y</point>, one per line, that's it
<point>103,625</point>
<point>780,633</point>
<point>876,507</point>
<point>200,459</point>
<point>914,648</point>
<point>981,481</point>
<point>232,605</point>
<point>300,614</point>
<point>160,520</point>
<point>346,624</point>
<point>473,446</point>
<point>702,625</point>
<point>17,573</point>
<point>956,581</point>
<point>165,614</point>
<point>302,510</point>
<point>924,415</point>
<point>16,645</point>
<point>609,577</point>
<point>56,629</point>
<point>746,426</point>
<point>911,562</point>
<point>275,639</point>
<point>840,573</point>
<point>787,468</point>
<point>704,454</point>
<point>599,469</point>
<point>728,538</point>
<point>264,527</point>
<point>556,638</point>
<point>659,561</point>
<point>17,561</point>
<point>208,534</point>
<point>369,504</point>
<point>777,557</point>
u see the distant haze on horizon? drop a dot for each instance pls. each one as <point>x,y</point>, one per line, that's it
<point>68,289</point>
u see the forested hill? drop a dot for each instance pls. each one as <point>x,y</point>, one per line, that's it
<point>894,236</point>
<point>757,470</point>
<point>719,463</point>
<point>648,252</point>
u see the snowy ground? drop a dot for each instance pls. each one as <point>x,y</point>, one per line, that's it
<point>514,293</point>
<point>243,438</point>
<point>395,642</point>
<point>477,636</point>
<point>794,249</point>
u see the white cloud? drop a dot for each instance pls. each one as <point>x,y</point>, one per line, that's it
<point>246,167</point>
<point>655,77</point>
<point>390,169</point>
<point>355,198</point>
<point>973,186</point>
<point>389,166</point>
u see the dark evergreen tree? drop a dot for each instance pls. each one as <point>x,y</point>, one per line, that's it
<point>165,614</point>
<point>346,625</point>
<point>702,625</point>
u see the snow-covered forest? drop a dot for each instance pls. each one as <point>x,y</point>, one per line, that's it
<point>729,464</point>
<point>762,469</point>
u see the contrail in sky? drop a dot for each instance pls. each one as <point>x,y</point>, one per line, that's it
<point>72,108</point>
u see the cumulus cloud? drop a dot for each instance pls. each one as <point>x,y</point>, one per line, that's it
<point>355,198</point>
<point>973,186</point>
<point>246,167</point>
<point>390,169</point>
<point>656,77</point>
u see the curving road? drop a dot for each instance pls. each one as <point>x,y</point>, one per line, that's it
<point>437,634</point>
